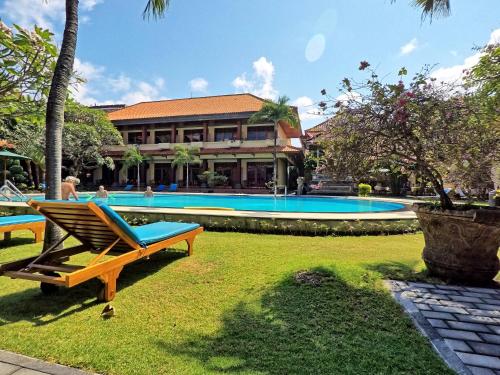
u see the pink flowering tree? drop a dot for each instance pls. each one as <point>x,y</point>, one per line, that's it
<point>419,125</point>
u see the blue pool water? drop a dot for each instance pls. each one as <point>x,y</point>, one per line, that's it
<point>250,203</point>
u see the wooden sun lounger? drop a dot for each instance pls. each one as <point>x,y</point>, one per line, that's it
<point>34,223</point>
<point>101,231</point>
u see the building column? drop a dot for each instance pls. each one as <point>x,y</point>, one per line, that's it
<point>238,131</point>
<point>281,172</point>
<point>150,175</point>
<point>237,174</point>
<point>205,132</point>
<point>144,134</point>
<point>173,134</point>
<point>180,174</point>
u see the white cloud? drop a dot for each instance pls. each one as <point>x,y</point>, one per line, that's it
<point>315,48</point>
<point>120,89</point>
<point>261,81</point>
<point>409,47</point>
<point>198,85</point>
<point>455,73</point>
<point>306,107</point>
<point>40,12</point>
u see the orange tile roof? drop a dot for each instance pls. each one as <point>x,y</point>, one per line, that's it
<point>209,105</point>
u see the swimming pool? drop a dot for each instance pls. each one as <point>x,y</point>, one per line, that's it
<point>250,203</point>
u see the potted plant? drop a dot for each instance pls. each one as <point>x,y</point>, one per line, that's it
<point>429,128</point>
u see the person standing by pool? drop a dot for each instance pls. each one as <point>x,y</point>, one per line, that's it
<point>101,193</point>
<point>68,187</point>
<point>148,193</point>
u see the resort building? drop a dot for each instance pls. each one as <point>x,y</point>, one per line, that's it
<point>216,125</point>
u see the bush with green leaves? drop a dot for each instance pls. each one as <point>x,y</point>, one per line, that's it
<point>212,178</point>
<point>364,190</point>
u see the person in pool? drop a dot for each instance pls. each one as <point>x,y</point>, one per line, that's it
<point>101,193</point>
<point>148,193</point>
<point>68,187</point>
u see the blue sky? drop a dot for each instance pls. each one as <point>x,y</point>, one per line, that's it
<point>268,47</point>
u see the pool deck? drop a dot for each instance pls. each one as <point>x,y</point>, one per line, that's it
<point>403,214</point>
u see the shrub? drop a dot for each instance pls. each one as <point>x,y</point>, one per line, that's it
<point>364,190</point>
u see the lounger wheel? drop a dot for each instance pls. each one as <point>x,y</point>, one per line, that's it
<point>48,288</point>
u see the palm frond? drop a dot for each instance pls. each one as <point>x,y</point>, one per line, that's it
<point>431,8</point>
<point>155,8</point>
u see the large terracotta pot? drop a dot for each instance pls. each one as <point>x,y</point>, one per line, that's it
<point>461,245</point>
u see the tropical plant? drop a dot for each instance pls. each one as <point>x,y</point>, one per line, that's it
<point>27,60</point>
<point>57,98</point>
<point>364,190</point>
<point>184,156</point>
<point>86,134</point>
<point>425,126</point>
<point>212,178</point>
<point>132,157</point>
<point>276,112</point>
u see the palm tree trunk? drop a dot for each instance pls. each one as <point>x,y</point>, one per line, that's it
<point>275,164</point>
<point>55,113</point>
<point>30,172</point>
<point>187,176</point>
<point>138,177</point>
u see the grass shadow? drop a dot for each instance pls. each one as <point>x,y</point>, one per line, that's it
<point>400,271</point>
<point>33,306</point>
<point>298,328</point>
<point>16,241</point>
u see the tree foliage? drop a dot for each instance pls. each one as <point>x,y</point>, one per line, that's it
<point>27,61</point>
<point>85,135</point>
<point>184,156</point>
<point>423,125</point>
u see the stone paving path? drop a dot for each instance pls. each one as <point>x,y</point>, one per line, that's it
<point>16,364</point>
<point>462,323</point>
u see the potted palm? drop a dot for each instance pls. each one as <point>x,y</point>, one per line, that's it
<point>423,127</point>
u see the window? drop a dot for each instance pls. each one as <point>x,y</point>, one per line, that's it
<point>259,173</point>
<point>225,134</point>
<point>162,173</point>
<point>260,133</point>
<point>163,136</point>
<point>194,135</point>
<point>135,138</point>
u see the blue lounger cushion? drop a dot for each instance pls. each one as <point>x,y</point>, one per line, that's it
<point>20,219</point>
<point>149,233</point>
<point>155,232</point>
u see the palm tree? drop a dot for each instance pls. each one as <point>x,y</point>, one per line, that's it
<point>133,157</point>
<point>275,112</point>
<point>432,7</point>
<point>57,98</point>
<point>185,156</point>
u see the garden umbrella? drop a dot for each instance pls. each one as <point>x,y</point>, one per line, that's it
<point>9,155</point>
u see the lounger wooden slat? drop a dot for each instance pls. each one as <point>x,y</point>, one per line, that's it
<point>101,232</point>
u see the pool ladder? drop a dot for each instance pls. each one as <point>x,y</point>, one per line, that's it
<point>9,191</point>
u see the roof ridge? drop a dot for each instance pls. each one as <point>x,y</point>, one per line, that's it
<point>197,97</point>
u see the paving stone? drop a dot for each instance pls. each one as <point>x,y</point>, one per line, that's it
<point>449,309</point>
<point>457,334</point>
<point>478,295</point>
<point>480,371</point>
<point>417,290</point>
<point>458,345</point>
<point>7,368</point>
<point>438,323</point>
<point>428,301</point>
<point>466,299</point>
<point>488,349</point>
<point>492,301</point>
<point>479,360</point>
<point>495,329</point>
<point>450,287</point>
<point>438,315</point>
<point>420,285</point>
<point>477,319</point>
<point>27,371</point>
<point>474,327</point>
<point>435,296</point>
<point>422,306</point>
<point>492,313</point>
<point>482,290</point>
<point>488,337</point>
<point>458,304</point>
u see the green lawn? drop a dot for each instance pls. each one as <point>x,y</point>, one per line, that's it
<point>233,307</point>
